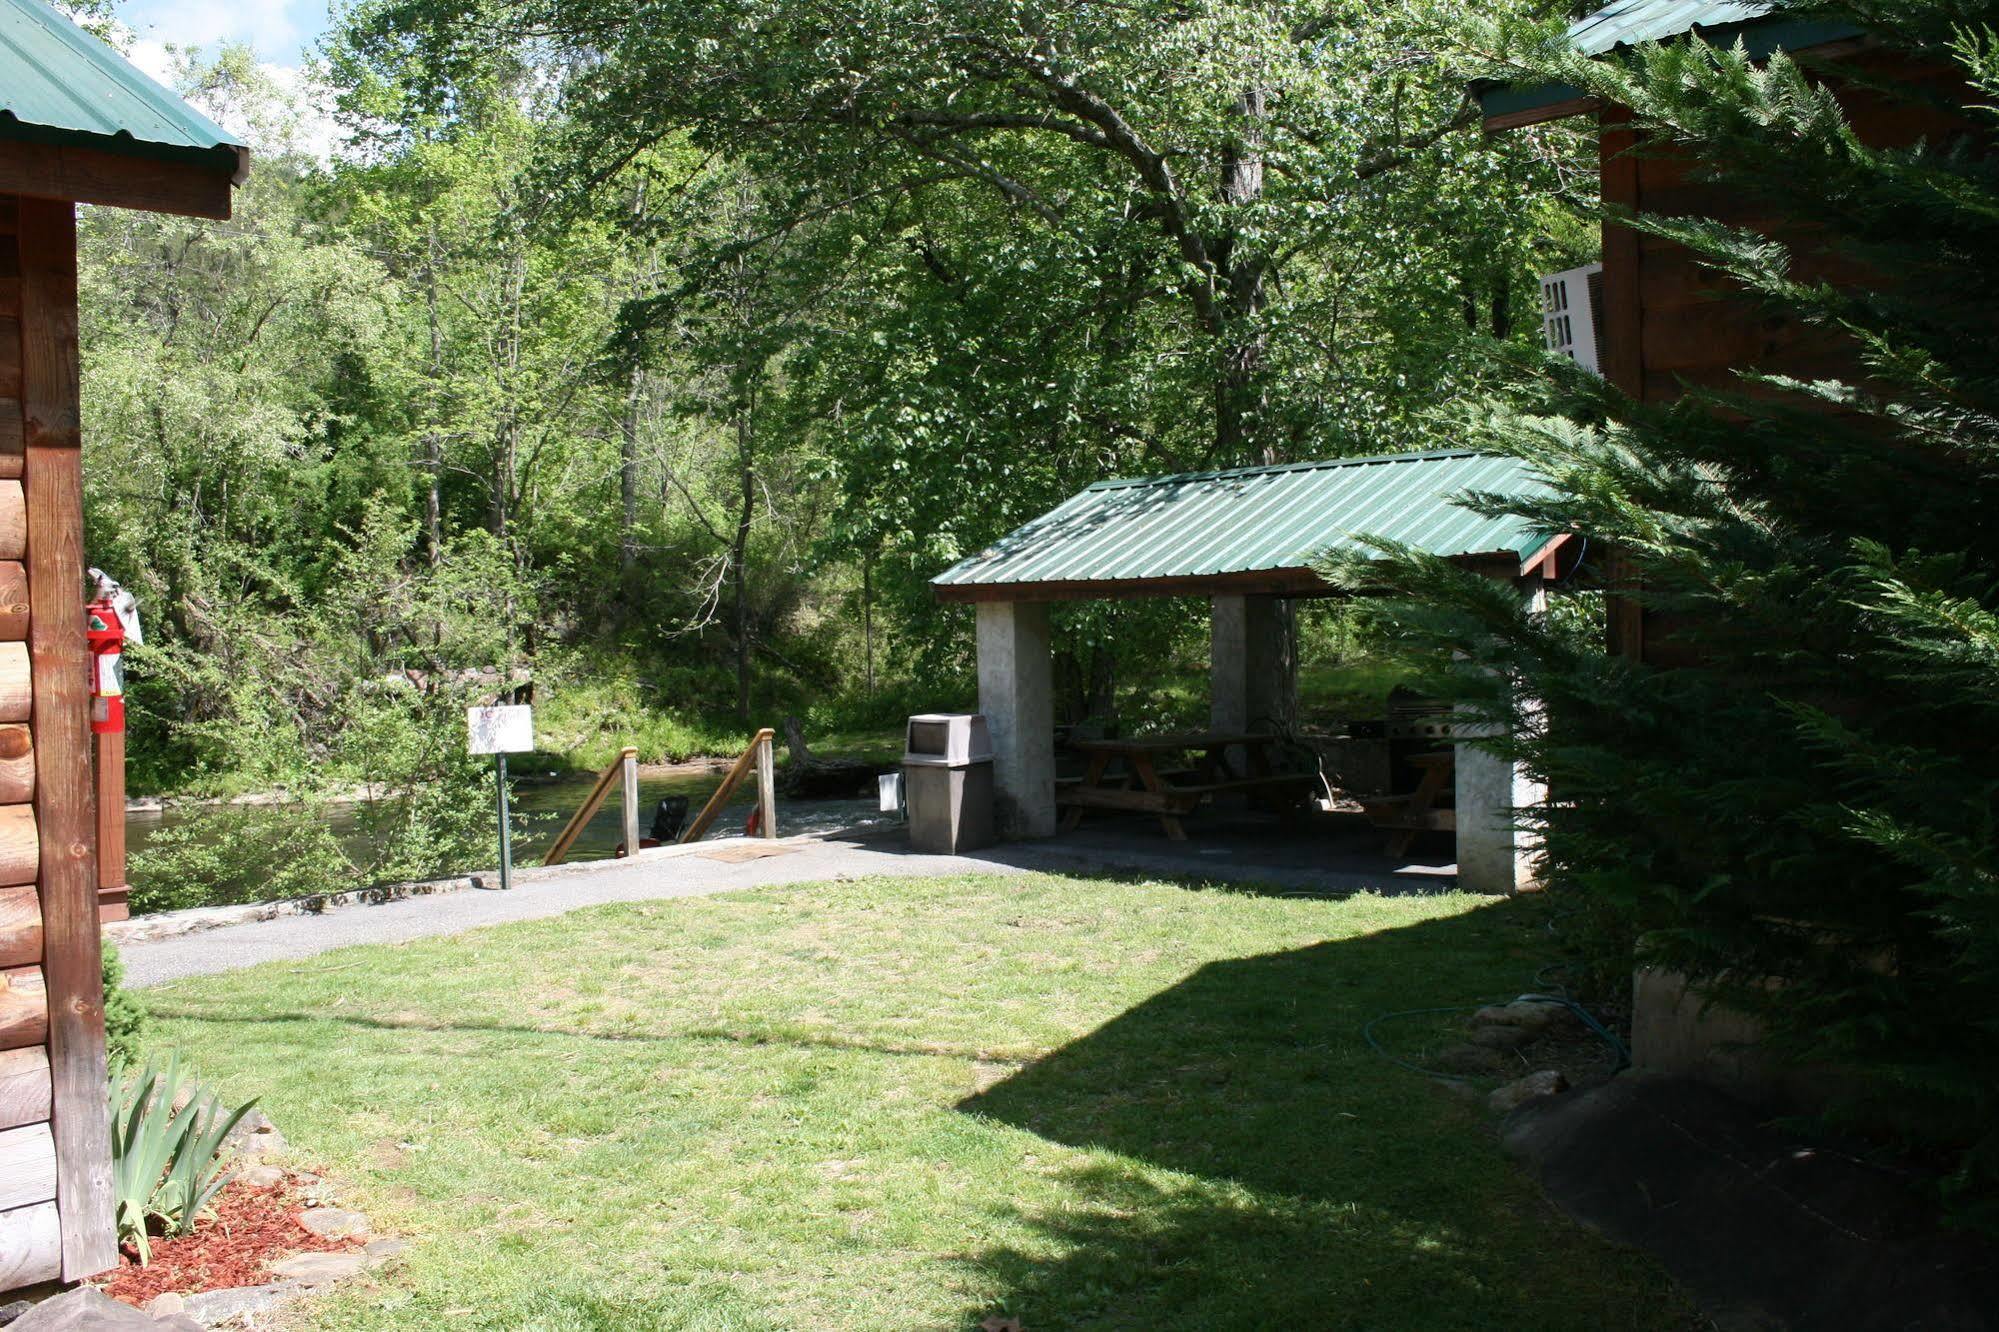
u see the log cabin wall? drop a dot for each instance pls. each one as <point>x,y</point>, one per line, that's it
<point>80,125</point>
<point>1670,324</point>
<point>55,1167</point>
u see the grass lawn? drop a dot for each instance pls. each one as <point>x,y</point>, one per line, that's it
<point>1085,1103</point>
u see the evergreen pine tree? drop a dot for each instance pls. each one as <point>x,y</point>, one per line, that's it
<point>1803,817</point>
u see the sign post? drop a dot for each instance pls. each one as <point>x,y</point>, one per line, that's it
<point>499,732</point>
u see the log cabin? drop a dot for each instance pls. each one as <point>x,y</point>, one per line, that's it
<point>1663,323</point>
<point>78,125</point>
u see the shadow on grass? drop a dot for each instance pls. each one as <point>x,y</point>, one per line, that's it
<point>1318,1185</point>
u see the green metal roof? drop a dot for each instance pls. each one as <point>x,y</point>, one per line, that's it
<point>1260,518</point>
<point>1629,22</point>
<point>59,84</point>
<point>1760,25</point>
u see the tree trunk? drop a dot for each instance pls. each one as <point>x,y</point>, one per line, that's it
<point>738,559</point>
<point>628,445</point>
<point>506,462</point>
<point>1242,433</point>
<point>628,480</point>
<point>433,435</point>
<point>868,618</point>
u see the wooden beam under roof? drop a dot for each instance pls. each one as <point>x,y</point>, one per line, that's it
<point>119,180</point>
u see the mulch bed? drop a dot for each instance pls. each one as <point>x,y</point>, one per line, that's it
<point>251,1229</point>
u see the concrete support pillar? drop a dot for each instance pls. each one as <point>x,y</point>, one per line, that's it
<point>1017,695</point>
<point>1252,664</point>
<point>1495,855</point>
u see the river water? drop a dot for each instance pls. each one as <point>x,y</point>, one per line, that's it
<point>543,805</point>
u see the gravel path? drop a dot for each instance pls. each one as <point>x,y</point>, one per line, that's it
<point>680,871</point>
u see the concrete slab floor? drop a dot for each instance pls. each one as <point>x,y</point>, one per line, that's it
<point>1325,853</point>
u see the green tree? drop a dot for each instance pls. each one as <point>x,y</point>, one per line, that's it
<point>1803,817</point>
<point>217,458</point>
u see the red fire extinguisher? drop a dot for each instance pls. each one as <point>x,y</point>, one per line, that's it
<point>107,622</point>
<point>107,667</point>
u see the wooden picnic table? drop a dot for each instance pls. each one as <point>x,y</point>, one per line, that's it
<point>1147,782</point>
<point>1402,817</point>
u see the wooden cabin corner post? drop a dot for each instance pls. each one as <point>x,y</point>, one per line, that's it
<point>65,807</point>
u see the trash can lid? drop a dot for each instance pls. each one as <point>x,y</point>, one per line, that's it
<point>953,739</point>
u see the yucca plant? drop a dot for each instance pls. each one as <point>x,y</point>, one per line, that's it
<point>166,1157</point>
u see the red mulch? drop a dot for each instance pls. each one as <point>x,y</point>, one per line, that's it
<point>251,1229</point>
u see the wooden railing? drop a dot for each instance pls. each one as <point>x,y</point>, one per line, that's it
<point>759,755</point>
<point>626,764</point>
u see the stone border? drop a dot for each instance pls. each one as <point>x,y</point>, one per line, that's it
<point>167,924</point>
<point>255,1142</point>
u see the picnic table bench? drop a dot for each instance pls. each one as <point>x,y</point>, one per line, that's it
<point>1402,817</point>
<point>1148,780</point>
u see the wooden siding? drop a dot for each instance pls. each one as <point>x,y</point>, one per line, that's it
<point>65,798</point>
<point>55,1168</point>
<point>1671,325</point>
<point>30,1231</point>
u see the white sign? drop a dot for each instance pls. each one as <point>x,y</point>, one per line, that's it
<point>507,730</point>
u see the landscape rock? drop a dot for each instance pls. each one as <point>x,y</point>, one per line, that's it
<point>316,1269</point>
<point>167,1304</point>
<point>1503,1038</point>
<point>1533,1015</point>
<point>258,1175</point>
<point>1545,1082</point>
<point>217,1307</point>
<point>334,1222</point>
<point>382,1250</point>
<point>10,1312</point>
<point>255,1136</point>
<point>85,1309</point>
<point>169,924</point>
<point>178,1323</point>
<point>1469,1060</point>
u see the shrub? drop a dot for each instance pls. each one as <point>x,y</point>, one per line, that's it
<point>124,1014</point>
<point>432,810</point>
<point>219,855</point>
<point>167,1138</point>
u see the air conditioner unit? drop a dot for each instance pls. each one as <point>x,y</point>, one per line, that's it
<point>1570,306</point>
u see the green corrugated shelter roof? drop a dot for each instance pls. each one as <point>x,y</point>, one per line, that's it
<point>1256,529</point>
<point>1762,26</point>
<point>60,85</point>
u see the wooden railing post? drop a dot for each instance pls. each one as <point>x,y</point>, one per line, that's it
<point>760,756</point>
<point>595,801</point>
<point>766,786</point>
<point>630,759</point>
<point>760,745</point>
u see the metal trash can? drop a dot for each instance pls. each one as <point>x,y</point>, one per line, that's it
<point>947,782</point>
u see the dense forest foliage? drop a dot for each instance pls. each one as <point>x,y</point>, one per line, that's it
<point>650,360</point>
